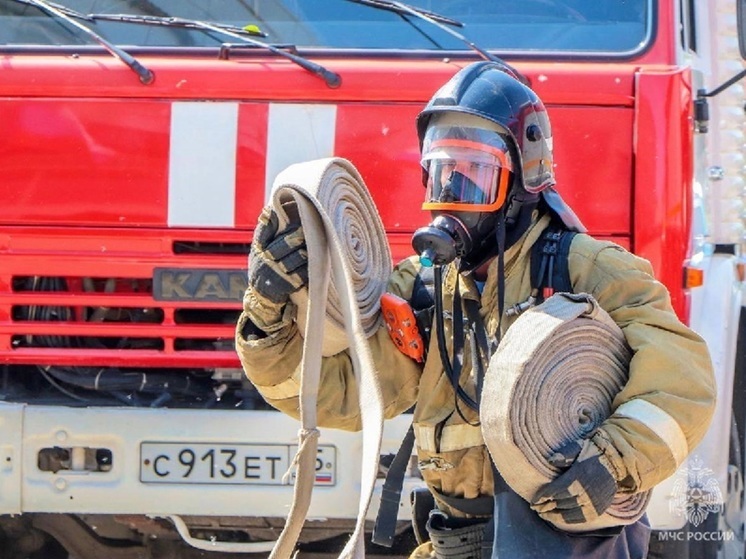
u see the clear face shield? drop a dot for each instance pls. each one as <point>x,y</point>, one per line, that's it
<point>467,173</point>
<point>465,169</point>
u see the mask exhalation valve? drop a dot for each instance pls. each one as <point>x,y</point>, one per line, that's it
<point>442,241</point>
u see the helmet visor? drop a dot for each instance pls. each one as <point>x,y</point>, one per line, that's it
<point>465,171</point>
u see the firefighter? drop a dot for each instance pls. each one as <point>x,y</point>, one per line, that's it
<point>486,149</point>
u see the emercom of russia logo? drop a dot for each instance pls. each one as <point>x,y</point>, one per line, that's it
<point>696,493</point>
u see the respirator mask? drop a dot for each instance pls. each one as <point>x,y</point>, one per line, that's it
<point>467,175</point>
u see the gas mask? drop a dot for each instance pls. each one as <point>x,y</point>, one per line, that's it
<point>467,173</point>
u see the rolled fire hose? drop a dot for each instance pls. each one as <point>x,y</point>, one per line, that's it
<point>349,265</point>
<point>552,381</point>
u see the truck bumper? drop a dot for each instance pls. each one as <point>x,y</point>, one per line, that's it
<point>25,431</point>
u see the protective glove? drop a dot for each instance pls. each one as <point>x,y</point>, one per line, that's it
<point>580,494</point>
<point>278,266</point>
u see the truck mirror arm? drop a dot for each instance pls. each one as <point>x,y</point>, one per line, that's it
<point>702,107</point>
<point>719,89</point>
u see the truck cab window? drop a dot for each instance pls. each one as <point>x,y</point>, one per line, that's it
<point>537,27</point>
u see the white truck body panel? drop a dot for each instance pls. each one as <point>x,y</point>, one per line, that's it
<point>714,315</point>
<point>28,429</point>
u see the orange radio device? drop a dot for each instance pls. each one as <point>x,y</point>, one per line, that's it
<point>402,326</point>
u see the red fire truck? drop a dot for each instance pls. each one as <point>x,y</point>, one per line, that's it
<point>139,140</point>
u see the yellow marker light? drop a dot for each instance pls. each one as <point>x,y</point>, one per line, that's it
<point>741,271</point>
<point>693,277</point>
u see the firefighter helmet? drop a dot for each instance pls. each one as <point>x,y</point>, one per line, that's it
<point>486,146</point>
<point>484,89</point>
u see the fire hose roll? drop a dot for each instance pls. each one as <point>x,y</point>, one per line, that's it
<point>552,381</point>
<point>349,265</point>
<point>337,201</point>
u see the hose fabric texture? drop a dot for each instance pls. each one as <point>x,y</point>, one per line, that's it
<point>551,382</point>
<point>349,264</point>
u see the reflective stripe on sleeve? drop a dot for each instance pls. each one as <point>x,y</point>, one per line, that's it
<point>660,422</point>
<point>452,437</point>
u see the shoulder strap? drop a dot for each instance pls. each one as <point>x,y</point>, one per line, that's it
<point>550,271</point>
<point>385,527</point>
<point>561,279</point>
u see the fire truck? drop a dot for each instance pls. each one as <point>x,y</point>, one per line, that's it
<point>139,142</point>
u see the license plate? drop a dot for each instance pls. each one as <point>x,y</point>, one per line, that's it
<point>248,464</point>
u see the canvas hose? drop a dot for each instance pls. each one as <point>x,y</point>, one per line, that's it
<point>349,265</point>
<point>552,380</point>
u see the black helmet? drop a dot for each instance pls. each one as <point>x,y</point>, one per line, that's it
<point>486,146</point>
<point>486,90</point>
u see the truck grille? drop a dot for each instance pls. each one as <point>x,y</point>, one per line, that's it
<point>140,307</point>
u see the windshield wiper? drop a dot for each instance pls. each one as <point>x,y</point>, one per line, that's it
<point>400,8</point>
<point>67,15</point>
<point>244,34</point>
<point>241,33</point>
<point>172,21</point>
<point>442,22</point>
<point>332,79</point>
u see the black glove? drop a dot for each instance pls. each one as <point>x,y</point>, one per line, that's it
<point>278,266</point>
<point>580,494</point>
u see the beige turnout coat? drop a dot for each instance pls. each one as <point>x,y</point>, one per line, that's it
<point>671,381</point>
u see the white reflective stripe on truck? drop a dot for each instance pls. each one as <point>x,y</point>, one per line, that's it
<point>202,164</point>
<point>297,133</point>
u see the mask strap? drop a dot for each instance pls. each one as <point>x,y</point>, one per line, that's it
<point>500,238</point>
<point>452,370</point>
<point>458,350</point>
<point>480,348</point>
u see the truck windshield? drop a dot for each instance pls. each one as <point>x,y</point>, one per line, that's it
<point>513,26</point>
